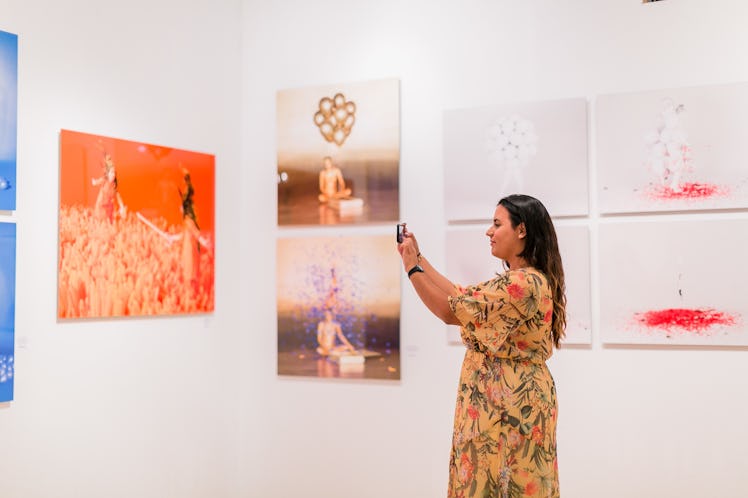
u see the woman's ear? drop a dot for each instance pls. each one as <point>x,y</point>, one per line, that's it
<point>521,231</point>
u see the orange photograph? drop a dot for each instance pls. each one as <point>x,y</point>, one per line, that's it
<point>136,229</point>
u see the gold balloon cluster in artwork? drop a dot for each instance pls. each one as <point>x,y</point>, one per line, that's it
<point>335,118</point>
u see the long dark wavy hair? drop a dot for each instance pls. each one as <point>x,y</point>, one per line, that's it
<point>541,252</point>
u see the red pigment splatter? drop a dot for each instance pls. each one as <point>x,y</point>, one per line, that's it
<point>689,190</point>
<point>691,320</point>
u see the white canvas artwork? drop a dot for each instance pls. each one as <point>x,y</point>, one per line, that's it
<point>677,282</point>
<point>574,244</point>
<point>535,148</point>
<point>673,150</point>
<point>469,261</point>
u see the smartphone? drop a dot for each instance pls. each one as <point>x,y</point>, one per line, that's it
<point>400,231</point>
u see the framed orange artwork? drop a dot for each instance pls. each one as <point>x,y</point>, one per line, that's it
<point>136,233</point>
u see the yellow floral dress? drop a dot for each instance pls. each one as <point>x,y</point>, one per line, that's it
<point>504,441</point>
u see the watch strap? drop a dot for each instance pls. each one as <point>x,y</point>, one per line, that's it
<point>415,269</point>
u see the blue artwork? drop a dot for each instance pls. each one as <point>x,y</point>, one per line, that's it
<point>8,119</point>
<point>7,308</point>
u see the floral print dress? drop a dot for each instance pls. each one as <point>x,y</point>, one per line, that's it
<point>504,441</point>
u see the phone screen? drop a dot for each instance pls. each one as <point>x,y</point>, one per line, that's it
<point>400,229</point>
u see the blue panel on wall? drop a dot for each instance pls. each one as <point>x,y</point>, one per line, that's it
<point>8,119</point>
<point>7,308</point>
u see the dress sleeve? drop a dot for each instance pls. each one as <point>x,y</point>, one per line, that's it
<point>492,310</point>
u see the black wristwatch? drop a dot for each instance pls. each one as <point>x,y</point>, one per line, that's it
<point>415,269</point>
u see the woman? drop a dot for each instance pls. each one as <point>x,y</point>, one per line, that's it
<point>192,240</point>
<point>504,441</point>
<point>108,193</point>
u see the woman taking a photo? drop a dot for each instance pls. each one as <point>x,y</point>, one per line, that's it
<point>504,440</point>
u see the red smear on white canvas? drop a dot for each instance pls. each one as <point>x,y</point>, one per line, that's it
<point>689,190</point>
<point>669,159</point>
<point>699,321</point>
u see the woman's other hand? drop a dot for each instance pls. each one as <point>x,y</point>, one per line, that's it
<point>408,250</point>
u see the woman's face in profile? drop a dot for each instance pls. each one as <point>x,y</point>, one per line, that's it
<point>506,241</point>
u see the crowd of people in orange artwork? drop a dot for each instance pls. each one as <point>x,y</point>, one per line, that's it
<point>130,265</point>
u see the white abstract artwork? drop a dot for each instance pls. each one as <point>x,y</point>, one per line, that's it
<point>469,261</point>
<point>536,148</point>
<point>677,282</point>
<point>673,150</point>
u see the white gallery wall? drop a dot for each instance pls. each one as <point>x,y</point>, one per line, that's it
<point>128,407</point>
<point>191,406</point>
<point>634,421</point>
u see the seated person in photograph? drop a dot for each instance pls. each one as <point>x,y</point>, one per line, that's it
<point>327,331</point>
<point>331,182</point>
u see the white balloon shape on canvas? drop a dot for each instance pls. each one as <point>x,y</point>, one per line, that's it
<point>668,149</point>
<point>512,141</point>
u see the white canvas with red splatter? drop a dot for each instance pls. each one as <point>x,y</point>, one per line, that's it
<point>673,150</point>
<point>674,282</point>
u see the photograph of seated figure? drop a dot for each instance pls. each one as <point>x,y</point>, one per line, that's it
<point>338,153</point>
